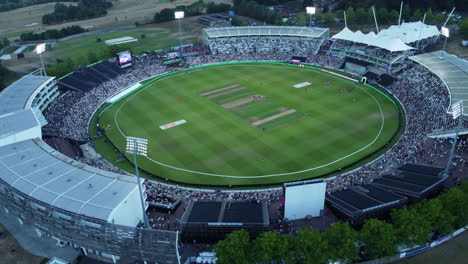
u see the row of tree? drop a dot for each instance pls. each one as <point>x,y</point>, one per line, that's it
<point>384,15</point>
<point>84,10</point>
<point>195,9</point>
<point>6,5</point>
<point>52,33</point>
<point>69,65</point>
<point>446,5</point>
<point>4,42</point>
<point>409,226</point>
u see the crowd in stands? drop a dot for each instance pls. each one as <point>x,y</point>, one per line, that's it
<point>423,95</point>
<point>364,52</point>
<point>70,114</point>
<point>269,45</point>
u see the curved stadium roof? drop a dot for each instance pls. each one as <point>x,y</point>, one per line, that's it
<point>37,170</point>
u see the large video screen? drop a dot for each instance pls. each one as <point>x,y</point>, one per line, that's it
<point>304,200</point>
<point>172,57</point>
<point>124,59</point>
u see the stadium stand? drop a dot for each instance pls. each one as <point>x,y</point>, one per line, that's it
<point>451,69</point>
<point>413,180</point>
<point>71,215</point>
<point>361,202</point>
<point>75,204</point>
<point>87,78</point>
<point>297,41</point>
<point>209,221</point>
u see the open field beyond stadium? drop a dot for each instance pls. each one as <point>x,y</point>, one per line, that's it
<point>326,131</point>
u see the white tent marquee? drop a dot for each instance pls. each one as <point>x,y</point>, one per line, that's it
<point>411,32</point>
<point>395,38</point>
<point>371,39</point>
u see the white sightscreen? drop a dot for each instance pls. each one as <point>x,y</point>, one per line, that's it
<point>303,200</point>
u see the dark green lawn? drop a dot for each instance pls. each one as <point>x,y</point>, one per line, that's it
<point>219,141</point>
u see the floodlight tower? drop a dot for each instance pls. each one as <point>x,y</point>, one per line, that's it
<point>457,112</point>
<point>311,11</point>
<point>39,50</point>
<point>446,33</point>
<point>179,15</point>
<point>139,146</point>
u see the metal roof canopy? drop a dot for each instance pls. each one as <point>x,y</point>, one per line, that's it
<point>15,96</point>
<point>452,70</point>
<point>265,31</point>
<point>66,184</point>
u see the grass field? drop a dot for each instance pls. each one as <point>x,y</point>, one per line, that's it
<point>330,124</point>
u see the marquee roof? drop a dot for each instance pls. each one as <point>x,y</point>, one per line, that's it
<point>371,39</point>
<point>395,38</point>
<point>411,32</point>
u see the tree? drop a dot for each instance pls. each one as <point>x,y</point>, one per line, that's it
<point>271,246</point>
<point>440,19</point>
<point>350,15</point>
<point>92,57</point>
<point>411,227</point>
<point>417,15</point>
<point>342,243</point>
<point>406,13</point>
<point>429,16</point>
<point>379,239</point>
<point>301,19</point>
<point>382,14</point>
<point>235,249</point>
<point>454,201</point>
<point>361,16</point>
<point>393,16</point>
<point>328,19</point>
<point>311,247</point>
<point>434,212</point>
<point>318,18</point>
<point>464,28</point>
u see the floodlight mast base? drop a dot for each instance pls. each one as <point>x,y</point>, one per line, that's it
<point>452,151</point>
<point>142,201</point>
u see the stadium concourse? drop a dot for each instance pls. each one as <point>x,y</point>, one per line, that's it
<point>64,207</point>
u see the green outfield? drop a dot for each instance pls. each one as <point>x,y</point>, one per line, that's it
<point>247,124</point>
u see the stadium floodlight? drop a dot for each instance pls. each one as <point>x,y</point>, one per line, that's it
<point>446,33</point>
<point>179,15</point>
<point>138,146</point>
<point>41,48</point>
<point>457,112</point>
<point>457,109</point>
<point>311,11</point>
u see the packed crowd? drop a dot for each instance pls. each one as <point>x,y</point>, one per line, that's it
<point>164,191</point>
<point>268,45</point>
<point>422,93</point>
<point>425,100</point>
<point>70,114</point>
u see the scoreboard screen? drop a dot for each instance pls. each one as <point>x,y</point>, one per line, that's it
<point>124,59</point>
<point>172,57</point>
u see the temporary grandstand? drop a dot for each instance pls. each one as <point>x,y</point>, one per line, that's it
<point>361,202</point>
<point>413,180</point>
<point>87,78</point>
<point>409,182</point>
<point>210,221</point>
<point>452,70</point>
